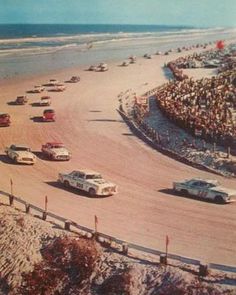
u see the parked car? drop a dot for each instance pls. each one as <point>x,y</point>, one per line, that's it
<point>5,120</point>
<point>74,79</point>
<point>88,181</point>
<point>45,101</point>
<point>20,154</point>
<point>204,189</point>
<point>49,115</point>
<point>56,151</point>
<point>20,100</point>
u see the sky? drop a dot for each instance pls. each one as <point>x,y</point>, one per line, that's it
<point>197,13</point>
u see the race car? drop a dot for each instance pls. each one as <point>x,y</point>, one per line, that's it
<point>20,100</point>
<point>204,189</point>
<point>45,101</point>
<point>74,79</point>
<point>20,154</point>
<point>5,120</point>
<point>56,151</point>
<point>58,88</point>
<point>37,89</point>
<point>88,181</point>
<point>49,115</point>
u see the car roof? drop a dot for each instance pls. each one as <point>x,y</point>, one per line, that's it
<point>86,171</point>
<point>20,145</point>
<point>54,143</point>
<point>213,181</point>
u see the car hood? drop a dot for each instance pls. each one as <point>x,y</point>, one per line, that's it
<point>101,182</point>
<point>222,189</point>
<point>24,154</point>
<point>60,151</point>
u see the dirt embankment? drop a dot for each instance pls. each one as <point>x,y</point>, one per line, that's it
<point>38,257</point>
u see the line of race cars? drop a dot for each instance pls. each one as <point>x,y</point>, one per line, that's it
<point>48,114</point>
<point>85,180</point>
<point>91,181</point>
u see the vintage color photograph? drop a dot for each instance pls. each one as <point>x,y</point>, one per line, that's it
<point>117,147</point>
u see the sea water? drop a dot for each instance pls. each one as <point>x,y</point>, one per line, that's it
<point>29,49</point>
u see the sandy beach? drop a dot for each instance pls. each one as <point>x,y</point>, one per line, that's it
<point>88,123</point>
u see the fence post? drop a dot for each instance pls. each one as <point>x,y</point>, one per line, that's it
<point>163,259</point>
<point>67,225</point>
<point>203,269</point>
<point>44,216</point>
<point>125,248</point>
<point>11,200</point>
<point>27,208</point>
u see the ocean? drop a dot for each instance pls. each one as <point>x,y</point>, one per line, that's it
<point>27,49</point>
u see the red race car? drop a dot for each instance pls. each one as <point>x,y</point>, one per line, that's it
<point>49,115</point>
<point>5,120</point>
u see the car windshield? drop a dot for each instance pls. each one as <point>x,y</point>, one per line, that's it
<point>21,148</point>
<point>93,176</point>
<point>57,146</point>
<point>211,184</point>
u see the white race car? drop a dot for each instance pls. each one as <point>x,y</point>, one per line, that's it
<point>20,154</point>
<point>204,189</point>
<point>89,181</point>
<point>56,151</point>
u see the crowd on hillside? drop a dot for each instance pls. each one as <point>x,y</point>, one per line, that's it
<point>221,59</point>
<point>204,107</point>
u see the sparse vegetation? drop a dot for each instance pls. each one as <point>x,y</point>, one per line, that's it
<point>67,264</point>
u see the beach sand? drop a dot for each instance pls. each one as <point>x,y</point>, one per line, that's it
<point>24,239</point>
<point>144,210</point>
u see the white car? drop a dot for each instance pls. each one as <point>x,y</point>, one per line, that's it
<point>45,101</point>
<point>56,151</point>
<point>37,89</point>
<point>20,154</point>
<point>88,181</point>
<point>205,189</point>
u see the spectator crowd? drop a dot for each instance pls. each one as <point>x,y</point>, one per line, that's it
<point>204,107</point>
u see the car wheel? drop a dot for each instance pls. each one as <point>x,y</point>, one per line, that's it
<point>66,183</point>
<point>15,160</point>
<point>92,192</point>
<point>219,200</point>
<point>184,192</point>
